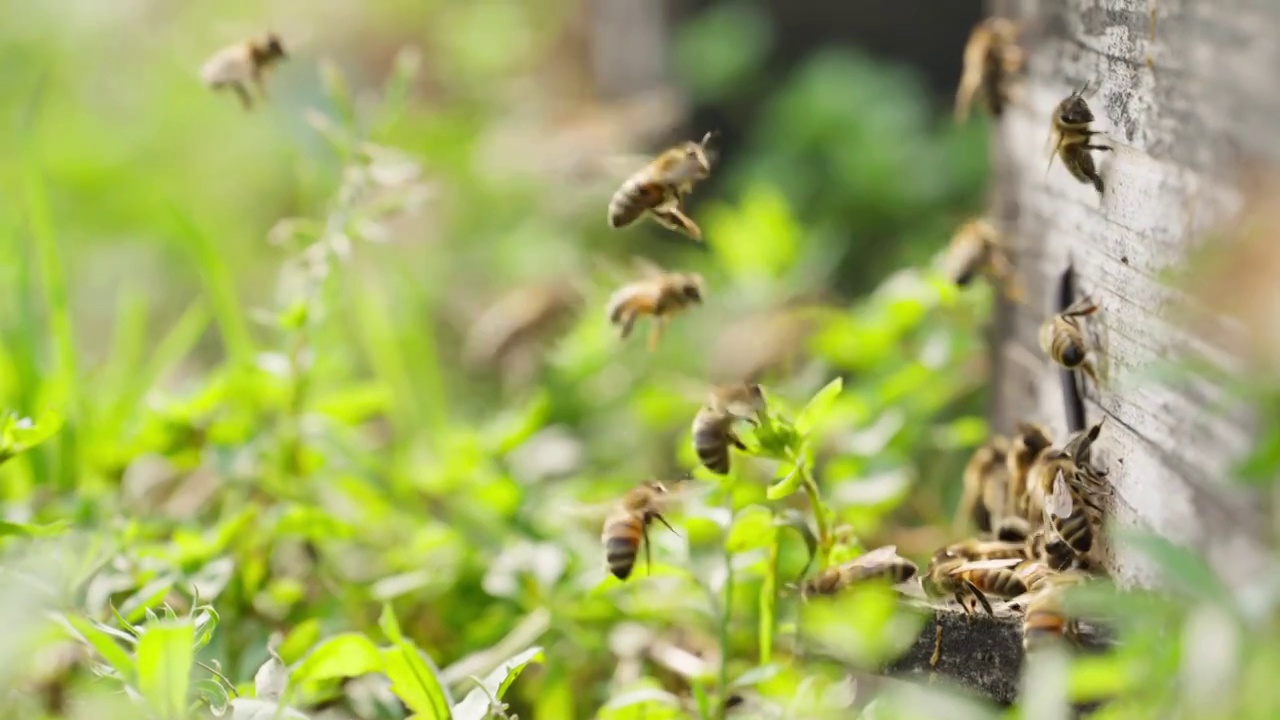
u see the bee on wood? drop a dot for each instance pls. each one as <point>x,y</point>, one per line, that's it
<point>243,64</point>
<point>966,579</point>
<point>1028,444</point>
<point>660,297</point>
<point>1063,339</point>
<point>1044,619</point>
<point>1073,139</point>
<point>1068,520</point>
<point>975,549</point>
<point>627,527</point>
<point>883,563</point>
<point>992,60</point>
<point>660,187</point>
<point>985,483</point>
<point>976,249</point>
<point>713,425</point>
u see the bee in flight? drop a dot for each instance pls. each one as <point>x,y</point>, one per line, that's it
<point>1073,139</point>
<point>627,527</point>
<point>511,333</point>
<point>660,187</point>
<point>883,563</point>
<point>660,296</point>
<point>713,425</point>
<point>243,64</point>
<point>992,59</point>
<point>976,249</point>
<point>1062,338</point>
<point>966,579</point>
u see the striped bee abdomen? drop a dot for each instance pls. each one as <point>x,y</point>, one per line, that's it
<point>631,200</point>
<point>622,544</point>
<point>712,446</point>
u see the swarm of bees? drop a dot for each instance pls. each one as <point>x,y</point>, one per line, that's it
<point>1055,497</point>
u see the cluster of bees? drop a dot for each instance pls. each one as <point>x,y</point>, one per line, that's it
<point>1036,507</point>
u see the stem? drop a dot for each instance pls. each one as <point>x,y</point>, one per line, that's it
<point>768,601</point>
<point>815,501</point>
<point>725,604</point>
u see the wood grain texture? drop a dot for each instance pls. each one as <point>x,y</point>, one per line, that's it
<point>1186,90</point>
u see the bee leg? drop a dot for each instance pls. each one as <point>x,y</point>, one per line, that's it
<point>981,598</point>
<point>1102,148</point>
<point>737,442</point>
<point>663,520</point>
<point>655,331</point>
<point>964,605</point>
<point>648,559</point>
<point>628,324</point>
<point>246,100</point>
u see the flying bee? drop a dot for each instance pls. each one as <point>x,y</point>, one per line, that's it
<point>627,527</point>
<point>247,62</point>
<point>976,249</point>
<point>985,481</point>
<point>1027,446</point>
<point>973,579</point>
<point>713,425</point>
<point>1062,338</point>
<point>883,563</point>
<point>992,59</point>
<point>520,320</point>
<point>1071,119</point>
<point>660,187</point>
<point>660,296</point>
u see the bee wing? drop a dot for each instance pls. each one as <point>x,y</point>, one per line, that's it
<point>873,557</point>
<point>1059,502</point>
<point>984,565</point>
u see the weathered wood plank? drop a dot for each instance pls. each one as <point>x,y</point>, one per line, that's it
<point>1184,94</point>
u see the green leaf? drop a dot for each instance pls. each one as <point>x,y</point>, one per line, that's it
<point>18,435</point>
<point>760,238</point>
<point>787,485</point>
<point>818,407</point>
<point>413,680</point>
<point>475,706</point>
<point>797,521</point>
<point>104,644</point>
<point>1185,571</point>
<point>341,656</point>
<point>29,530</point>
<point>752,528</point>
<point>165,656</point>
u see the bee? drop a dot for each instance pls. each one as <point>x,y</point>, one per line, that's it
<point>627,527</point>
<point>976,249</point>
<point>1062,338</point>
<point>1027,446</point>
<point>660,187</point>
<point>883,563</point>
<point>247,62</point>
<point>518,320</point>
<point>973,579</point>
<point>985,482</point>
<point>713,425</point>
<point>660,296</point>
<point>1067,519</point>
<point>1012,529</point>
<point>1044,619</point>
<point>1072,137</point>
<point>991,60</point>
<point>975,549</point>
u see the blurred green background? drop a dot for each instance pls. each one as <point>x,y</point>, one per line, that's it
<point>256,400</point>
